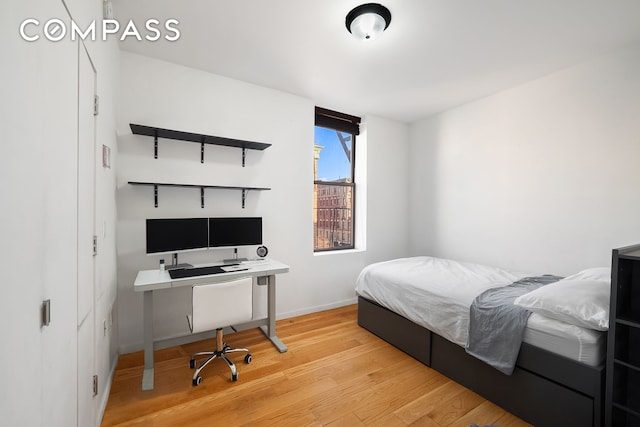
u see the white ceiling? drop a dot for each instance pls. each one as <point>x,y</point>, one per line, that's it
<point>436,54</point>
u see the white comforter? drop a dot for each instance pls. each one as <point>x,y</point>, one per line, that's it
<point>451,286</point>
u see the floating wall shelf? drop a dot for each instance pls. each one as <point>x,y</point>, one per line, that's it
<point>155,185</point>
<point>196,137</point>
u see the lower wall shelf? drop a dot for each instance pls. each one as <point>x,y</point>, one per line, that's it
<point>155,185</point>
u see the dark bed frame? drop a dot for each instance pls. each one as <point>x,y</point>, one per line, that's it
<point>545,389</point>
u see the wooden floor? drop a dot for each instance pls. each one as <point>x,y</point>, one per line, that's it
<point>335,373</point>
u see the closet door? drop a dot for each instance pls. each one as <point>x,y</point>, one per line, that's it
<point>58,90</point>
<point>86,233</point>
<point>38,189</point>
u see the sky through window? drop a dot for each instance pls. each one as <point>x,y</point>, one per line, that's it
<point>333,163</point>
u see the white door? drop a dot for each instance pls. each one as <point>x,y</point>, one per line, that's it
<point>86,233</point>
<point>38,118</point>
<point>59,180</point>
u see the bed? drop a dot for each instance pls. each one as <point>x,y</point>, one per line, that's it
<point>422,306</point>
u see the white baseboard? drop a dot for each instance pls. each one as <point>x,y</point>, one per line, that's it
<point>177,340</point>
<point>107,390</point>
<point>316,308</point>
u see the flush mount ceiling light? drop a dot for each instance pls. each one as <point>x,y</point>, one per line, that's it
<point>368,21</point>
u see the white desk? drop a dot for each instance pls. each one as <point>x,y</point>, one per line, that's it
<point>149,281</point>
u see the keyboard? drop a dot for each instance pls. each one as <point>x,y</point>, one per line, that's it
<point>197,271</point>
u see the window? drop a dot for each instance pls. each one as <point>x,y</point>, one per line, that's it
<point>333,174</point>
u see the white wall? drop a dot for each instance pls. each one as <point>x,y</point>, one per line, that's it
<point>543,177</point>
<point>161,94</point>
<point>388,189</point>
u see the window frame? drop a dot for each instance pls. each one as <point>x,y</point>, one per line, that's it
<point>345,123</point>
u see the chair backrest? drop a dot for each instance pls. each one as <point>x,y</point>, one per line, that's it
<point>217,305</point>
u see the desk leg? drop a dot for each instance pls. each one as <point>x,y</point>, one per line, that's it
<point>147,376</point>
<point>270,331</point>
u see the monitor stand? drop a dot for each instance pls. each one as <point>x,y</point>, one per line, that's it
<point>235,258</point>
<point>175,266</point>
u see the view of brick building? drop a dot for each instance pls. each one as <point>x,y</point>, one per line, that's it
<point>332,211</point>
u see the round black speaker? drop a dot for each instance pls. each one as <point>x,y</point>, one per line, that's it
<point>262,251</point>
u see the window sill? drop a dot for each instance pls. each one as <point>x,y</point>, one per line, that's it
<point>338,252</point>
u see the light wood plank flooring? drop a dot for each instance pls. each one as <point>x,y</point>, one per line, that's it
<point>335,373</point>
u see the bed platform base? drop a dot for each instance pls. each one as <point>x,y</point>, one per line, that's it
<point>545,389</point>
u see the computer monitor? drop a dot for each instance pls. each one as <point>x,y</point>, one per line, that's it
<point>234,232</point>
<point>173,235</point>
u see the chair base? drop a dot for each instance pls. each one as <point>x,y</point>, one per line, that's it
<point>222,349</point>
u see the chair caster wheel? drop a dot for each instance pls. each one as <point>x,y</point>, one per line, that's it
<point>197,380</point>
<point>234,377</point>
<point>248,358</point>
<point>192,363</point>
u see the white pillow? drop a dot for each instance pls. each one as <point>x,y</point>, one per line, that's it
<point>578,302</point>
<point>598,273</point>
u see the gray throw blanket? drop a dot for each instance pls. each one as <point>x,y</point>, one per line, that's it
<point>496,325</point>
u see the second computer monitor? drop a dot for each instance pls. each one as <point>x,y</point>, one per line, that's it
<point>240,231</point>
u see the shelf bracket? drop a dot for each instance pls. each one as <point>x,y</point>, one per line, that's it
<point>202,197</point>
<point>155,194</point>
<point>202,152</point>
<point>155,145</point>
<point>244,196</point>
<point>244,155</point>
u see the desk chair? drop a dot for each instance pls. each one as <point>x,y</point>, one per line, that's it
<point>215,306</point>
